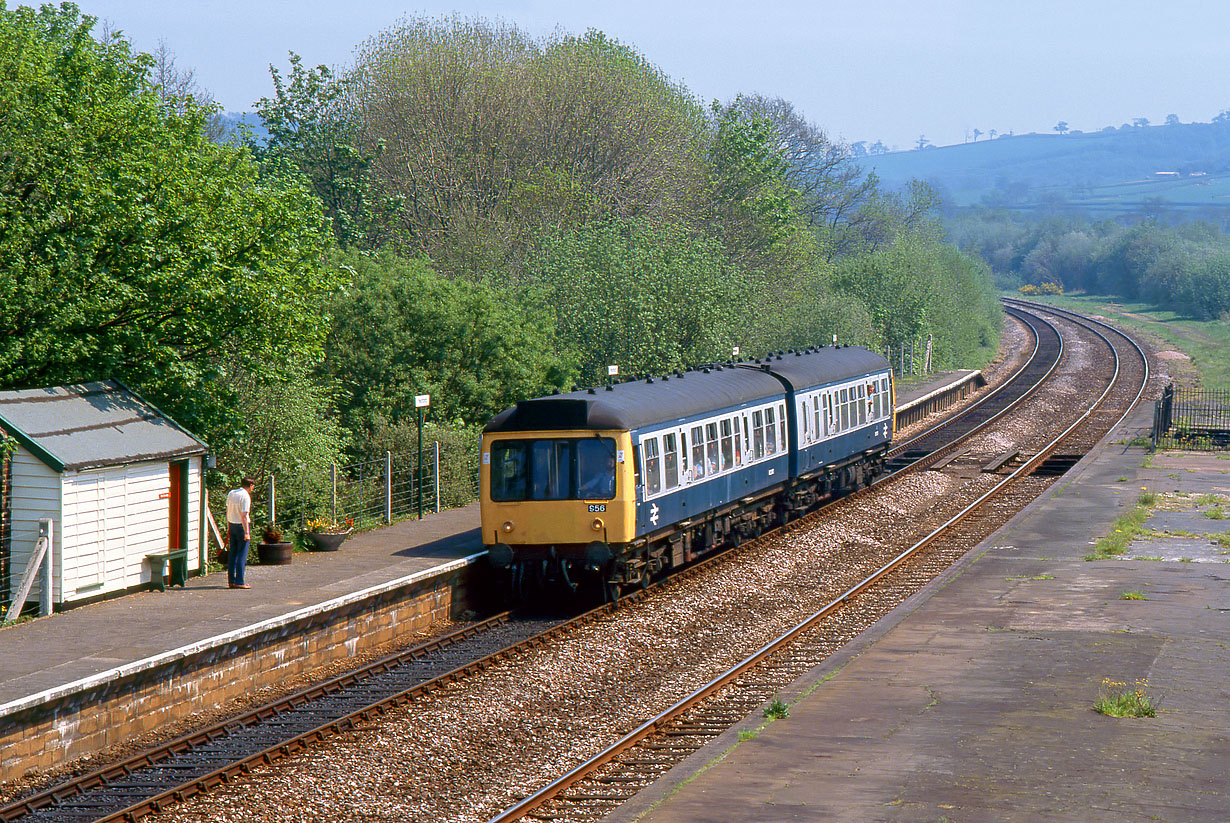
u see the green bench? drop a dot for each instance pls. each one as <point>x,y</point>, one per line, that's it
<point>178,561</point>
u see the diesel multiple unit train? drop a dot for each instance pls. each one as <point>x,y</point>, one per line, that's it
<point>607,488</point>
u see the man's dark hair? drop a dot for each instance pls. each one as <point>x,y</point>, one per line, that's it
<point>248,483</point>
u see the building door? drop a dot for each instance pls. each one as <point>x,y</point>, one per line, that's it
<point>177,491</point>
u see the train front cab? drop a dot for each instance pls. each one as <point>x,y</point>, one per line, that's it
<point>554,502</point>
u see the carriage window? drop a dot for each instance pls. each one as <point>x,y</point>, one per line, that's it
<point>549,461</point>
<point>815,404</point>
<point>698,453</point>
<point>781,423</point>
<point>728,449</point>
<point>508,471</point>
<point>738,444</point>
<point>747,443</point>
<point>845,409</point>
<point>862,404</point>
<point>670,460</point>
<point>553,469</point>
<point>653,477</point>
<point>758,434</point>
<point>876,405</point>
<point>806,418</point>
<point>711,448</point>
<point>770,432</point>
<point>683,456</point>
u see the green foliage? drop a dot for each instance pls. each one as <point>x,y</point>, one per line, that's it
<point>777,710</point>
<point>493,140</point>
<point>401,330</point>
<point>459,449</point>
<point>132,246</point>
<point>1183,268</point>
<point>312,131</point>
<point>1118,699</point>
<point>650,300</point>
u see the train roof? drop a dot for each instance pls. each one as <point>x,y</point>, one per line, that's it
<point>638,404</point>
<point>817,367</point>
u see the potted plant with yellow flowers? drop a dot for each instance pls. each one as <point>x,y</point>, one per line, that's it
<point>326,535</point>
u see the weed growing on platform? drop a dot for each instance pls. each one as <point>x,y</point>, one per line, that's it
<point>776,710</point>
<point>1133,595</point>
<point>1117,699</point>
<point>1126,529</point>
<point>1222,539</point>
<point>1216,513</point>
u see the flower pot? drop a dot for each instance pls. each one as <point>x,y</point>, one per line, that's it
<point>324,541</point>
<point>274,554</point>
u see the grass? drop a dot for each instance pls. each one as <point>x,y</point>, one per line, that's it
<point>1132,595</point>
<point>1216,513</point>
<point>1223,539</point>
<point>1205,341</point>
<point>1117,699</point>
<point>776,710</point>
<point>1126,529</point>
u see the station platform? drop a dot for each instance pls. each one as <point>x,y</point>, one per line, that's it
<point>973,701</point>
<point>203,644</point>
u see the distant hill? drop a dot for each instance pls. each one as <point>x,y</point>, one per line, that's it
<point>232,120</point>
<point>1182,169</point>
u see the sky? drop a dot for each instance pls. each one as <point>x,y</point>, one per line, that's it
<point>890,70</point>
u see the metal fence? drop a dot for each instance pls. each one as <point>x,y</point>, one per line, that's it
<point>1197,419</point>
<point>365,494</point>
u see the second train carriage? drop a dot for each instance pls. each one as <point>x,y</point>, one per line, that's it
<point>616,484</point>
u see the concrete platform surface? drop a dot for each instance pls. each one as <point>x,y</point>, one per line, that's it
<point>918,388</point>
<point>973,701</point>
<point>43,658</point>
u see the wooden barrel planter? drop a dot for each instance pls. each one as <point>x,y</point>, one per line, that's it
<point>275,554</point>
<point>324,541</point>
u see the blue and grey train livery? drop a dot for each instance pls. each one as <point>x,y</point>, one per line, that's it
<point>620,483</point>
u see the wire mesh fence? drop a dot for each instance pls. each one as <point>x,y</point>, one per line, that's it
<point>1197,419</point>
<point>360,495</point>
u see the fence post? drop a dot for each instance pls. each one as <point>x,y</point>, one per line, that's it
<point>388,487</point>
<point>333,480</point>
<point>437,477</point>
<point>46,528</point>
<point>273,507</point>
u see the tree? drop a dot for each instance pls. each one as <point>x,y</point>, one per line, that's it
<point>401,329</point>
<point>991,134</point>
<point>923,142</point>
<point>1172,120</point>
<point>1062,127</point>
<point>1140,122</point>
<point>132,246</point>
<point>311,130</point>
<point>977,134</point>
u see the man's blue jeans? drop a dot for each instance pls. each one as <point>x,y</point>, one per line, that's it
<point>237,554</point>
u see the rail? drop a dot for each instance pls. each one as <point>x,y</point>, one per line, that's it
<point>676,711</point>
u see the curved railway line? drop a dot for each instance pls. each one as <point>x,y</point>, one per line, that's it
<point>194,764</point>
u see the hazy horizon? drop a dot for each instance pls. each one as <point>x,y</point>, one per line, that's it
<point>893,72</point>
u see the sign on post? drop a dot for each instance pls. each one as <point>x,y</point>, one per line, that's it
<point>421,401</point>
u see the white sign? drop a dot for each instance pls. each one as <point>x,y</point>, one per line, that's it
<point>612,371</point>
<point>422,401</point>
<point>735,353</point>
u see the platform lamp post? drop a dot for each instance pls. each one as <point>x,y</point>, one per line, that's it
<point>421,401</point>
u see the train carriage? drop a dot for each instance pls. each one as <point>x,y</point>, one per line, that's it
<point>614,485</point>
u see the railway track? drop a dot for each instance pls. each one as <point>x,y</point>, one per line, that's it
<point>198,762</point>
<point>611,777</point>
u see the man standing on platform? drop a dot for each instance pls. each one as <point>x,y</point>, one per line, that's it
<point>239,532</point>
